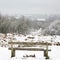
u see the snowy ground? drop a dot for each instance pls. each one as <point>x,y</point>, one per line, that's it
<point>5,54</point>
<point>54,54</point>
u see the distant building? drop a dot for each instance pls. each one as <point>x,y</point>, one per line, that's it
<point>41,19</point>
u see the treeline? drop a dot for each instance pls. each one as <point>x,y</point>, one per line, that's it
<point>23,25</point>
<point>53,28</point>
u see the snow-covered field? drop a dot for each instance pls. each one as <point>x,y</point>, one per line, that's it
<point>5,54</point>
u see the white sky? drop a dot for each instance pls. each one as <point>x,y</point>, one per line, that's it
<point>19,7</point>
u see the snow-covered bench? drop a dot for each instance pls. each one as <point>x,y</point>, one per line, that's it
<point>29,46</point>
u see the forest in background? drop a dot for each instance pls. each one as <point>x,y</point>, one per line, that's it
<point>25,25</point>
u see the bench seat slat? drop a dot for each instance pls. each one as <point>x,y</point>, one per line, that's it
<point>30,49</point>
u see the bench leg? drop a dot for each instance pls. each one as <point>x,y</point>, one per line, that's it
<point>46,54</point>
<point>13,53</point>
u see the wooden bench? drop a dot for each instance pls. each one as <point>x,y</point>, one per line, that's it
<point>29,47</point>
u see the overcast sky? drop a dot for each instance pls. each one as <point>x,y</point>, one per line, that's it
<point>20,7</point>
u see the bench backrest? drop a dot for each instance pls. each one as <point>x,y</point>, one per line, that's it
<point>22,45</point>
